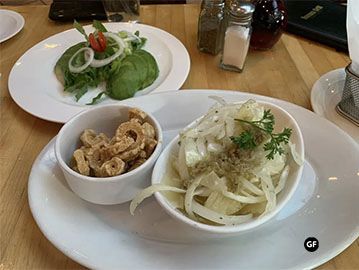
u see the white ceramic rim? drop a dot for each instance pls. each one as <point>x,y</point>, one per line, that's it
<point>340,73</point>
<point>116,178</point>
<point>19,19</point>
<point>326,92</point>
<point>173,81</point>
<point>240,227</point>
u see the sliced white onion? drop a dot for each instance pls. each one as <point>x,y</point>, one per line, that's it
<point>177,202</point>
<point>188,199</point>
<point>203,127</point>
<point>132,37</point>
<point>214,147</point>
<point>202,192</point>
<point>129,39</point>
<point>218,218</point>
<point>182,167</point>
<point>230,126</point>
<point>222,205</point>
<point>282,179</point>
<point>222,133</point>
<point>89,56</point>
<point>243,199</point>
<point>201,146</point>
<point>298,159</point>
<point>213,182</point>
<point>121,45</point>
<point>252,188</point>
<point>245,193</point>
<point>220,100</point>
<point>191,153</point>
<point>147,192</point>
<point>269,192</point>
<point>214,130</point>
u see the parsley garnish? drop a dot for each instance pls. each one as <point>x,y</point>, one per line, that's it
<point>246,139</point>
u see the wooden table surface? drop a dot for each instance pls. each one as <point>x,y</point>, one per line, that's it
<point>288,72</point>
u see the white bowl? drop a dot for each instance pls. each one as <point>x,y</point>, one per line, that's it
<point>103,190</point>
<point>283,119</point>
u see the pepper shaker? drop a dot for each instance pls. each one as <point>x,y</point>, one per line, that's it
<point>210,26</point>
<point>237,35</point>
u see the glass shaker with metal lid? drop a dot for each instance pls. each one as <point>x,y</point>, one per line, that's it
<point>237,35</point>
<point>210,26</point>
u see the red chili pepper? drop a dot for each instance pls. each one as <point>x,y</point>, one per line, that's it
<point>99,44</point>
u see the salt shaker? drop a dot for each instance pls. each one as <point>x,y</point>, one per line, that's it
<point>210,26</point>
<point>237,35</point>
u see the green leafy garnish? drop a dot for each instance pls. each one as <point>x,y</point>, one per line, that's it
<point>136,45</point>
<point>246,139</point>
<point>80,92</point>
<point>267,121</point>
<point>273,146</point>
<point>80,29</point>
<point>99,26</point>
<point>96,99</point>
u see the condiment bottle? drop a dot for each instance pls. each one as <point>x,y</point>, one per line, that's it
<point>210,26</point>
<point>237,35</point>
<point>269,21</point>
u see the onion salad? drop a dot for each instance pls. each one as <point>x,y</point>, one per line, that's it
<point>229,167</point>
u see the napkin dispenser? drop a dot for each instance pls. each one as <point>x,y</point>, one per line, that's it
<point>349,104</point>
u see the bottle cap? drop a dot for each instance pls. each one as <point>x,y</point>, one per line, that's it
<point>213,3</point>
<point>241,11</point>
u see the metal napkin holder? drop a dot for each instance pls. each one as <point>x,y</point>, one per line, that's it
<point>348,107</point>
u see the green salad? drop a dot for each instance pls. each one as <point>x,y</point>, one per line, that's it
<point>114,58</point>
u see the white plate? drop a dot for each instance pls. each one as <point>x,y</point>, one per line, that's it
<point>326,94</point>
<point>11,24</point>
<point>34,87</point>
<point>108,237</point>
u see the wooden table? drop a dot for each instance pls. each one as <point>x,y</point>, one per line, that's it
<point>288,72</point>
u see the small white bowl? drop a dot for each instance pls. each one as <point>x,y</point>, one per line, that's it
<point>103,190</point>
<point>283,119</point>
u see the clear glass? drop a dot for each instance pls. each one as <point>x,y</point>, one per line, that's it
<point>210,27</point>
<point>122,10</point>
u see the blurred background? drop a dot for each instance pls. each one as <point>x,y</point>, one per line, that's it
<point>312,19</point>
<point>48,2</point>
